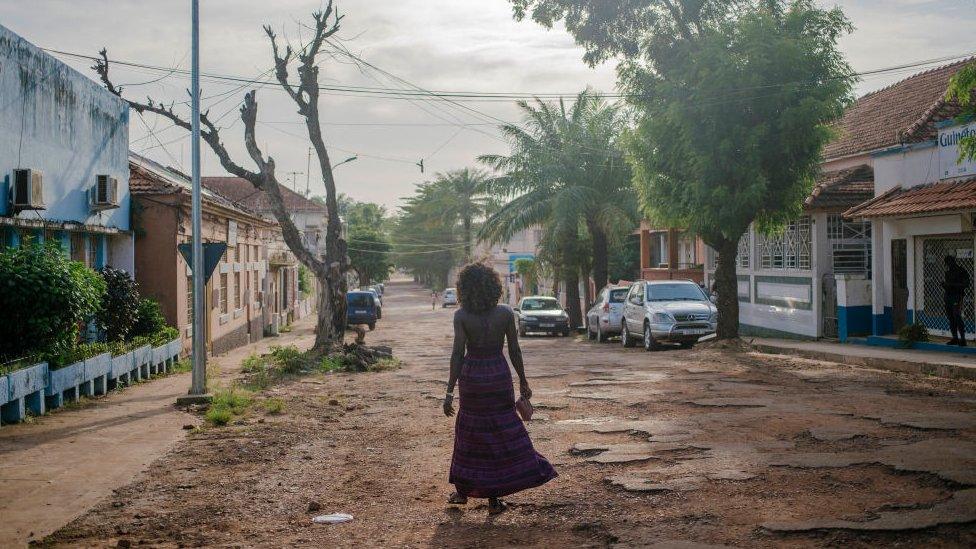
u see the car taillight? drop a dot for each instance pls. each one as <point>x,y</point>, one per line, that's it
<point>606,307</point>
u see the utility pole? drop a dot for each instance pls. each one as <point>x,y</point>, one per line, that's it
<point>308,174</point>
<point>294,180</point>
<point>198,387</point>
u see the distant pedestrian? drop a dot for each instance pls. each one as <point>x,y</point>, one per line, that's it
<point>433,300</point>
<point>493,455</point>
<point>956,281</point>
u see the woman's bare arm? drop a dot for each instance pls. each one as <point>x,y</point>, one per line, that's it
<point>515,354</point>
<point>457,358</point>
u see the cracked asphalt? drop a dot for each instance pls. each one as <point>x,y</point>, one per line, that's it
<point>718,446</point>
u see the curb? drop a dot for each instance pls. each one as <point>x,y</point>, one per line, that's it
<point>951,371</point>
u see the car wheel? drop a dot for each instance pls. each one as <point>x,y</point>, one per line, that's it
<point>687,344</point>
<point>565,333</point>
<point>600,336</point>
<point>625,336</point>
<point>650,344</point>
<point>590,334</point>
<point>372,326</point>
<point>522,332</point>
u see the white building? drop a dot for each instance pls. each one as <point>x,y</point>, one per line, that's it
<point>503,256</point>
<point>64,158</point>
<point>923,211</point>
<point>815,279</point>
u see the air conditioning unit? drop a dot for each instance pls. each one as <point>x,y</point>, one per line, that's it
<point>105,194</point>
<point>28,190</point>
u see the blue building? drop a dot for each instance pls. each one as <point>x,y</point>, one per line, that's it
<point>64,168</point>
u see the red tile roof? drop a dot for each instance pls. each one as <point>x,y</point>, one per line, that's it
<point>901,113</point>
<point>842,189</point>
<point>240,191</point>
<point>941,197</point>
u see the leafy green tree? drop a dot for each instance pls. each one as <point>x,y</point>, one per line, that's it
<point>369,254</point>
<point>961,87</point>
<point>566,174</point>
<point>526,269</point>
<point>425,242</point>
<point>461,197</point>
<point>734,101</point>
<point>45,298</point>
<point>625,259</point>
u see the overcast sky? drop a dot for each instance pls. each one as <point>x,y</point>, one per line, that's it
<point>453,45</point>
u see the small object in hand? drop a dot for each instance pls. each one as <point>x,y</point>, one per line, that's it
<point>334,518</point>
<point>524,408</point>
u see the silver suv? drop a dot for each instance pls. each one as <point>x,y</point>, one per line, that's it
<point>667,311</point>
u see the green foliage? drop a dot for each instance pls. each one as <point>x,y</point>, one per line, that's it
<point>274,406</point>
<point>227,404</point>
<point>625,259</point>
<point>567,175</point>
<point>733,102</point>
<point>181,367</point>
<point>120,304</point>
<point>304,280</point>
<point>909,334</point>
<point>332,363</point>
<point>961,87</point>
<point>370,254</point>
<point>44,299</point>
<point>149,319</point>
<point>425,242</point>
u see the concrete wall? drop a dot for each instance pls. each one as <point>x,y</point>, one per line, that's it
<point>853,306</point>
<point>64,124</point>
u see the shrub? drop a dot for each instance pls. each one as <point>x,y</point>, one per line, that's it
<point>149,319</point>
<point>274,405</point>
<point>290,360</point>
<point>165,335</point>
<point>910,334</point>
<point>304,279</point>
<point>227,403</point>
<point>120,304</point>
<point>44,299</point>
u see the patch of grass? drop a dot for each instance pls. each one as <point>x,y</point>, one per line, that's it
<point>332,363</point>
<point>284,329</point>
<point>227,404</point>
<point>253,363</point>
<point>386,364</point>
<point>181,367</point>
<point>290,360</point>
<point>274,405</point>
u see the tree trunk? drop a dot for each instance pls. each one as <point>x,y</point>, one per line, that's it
<point>467,239</point>
<point>601,258</point>
<point>727,287</point>
<point>573,299</point>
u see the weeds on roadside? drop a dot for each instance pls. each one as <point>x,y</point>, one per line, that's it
<point>181,367</point>
<point>385,365</point>
<point>274,405</point>
<point>228,404</point>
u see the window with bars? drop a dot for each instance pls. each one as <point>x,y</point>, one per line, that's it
<point>189,301</point>
<point>223,293</point>
<point>744,259</point>
<point>237,290</point>
<point>790,249</point>
<point>850,244</point>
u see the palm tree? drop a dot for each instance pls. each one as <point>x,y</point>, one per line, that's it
<point>460,196</point>
<point>566,174</point>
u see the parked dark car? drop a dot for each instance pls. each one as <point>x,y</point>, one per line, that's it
<point>542,315</point>
<point>361,309</point>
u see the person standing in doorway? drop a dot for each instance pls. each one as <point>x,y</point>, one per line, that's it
<point>956,281</point>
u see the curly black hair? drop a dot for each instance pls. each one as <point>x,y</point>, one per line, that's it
<point>479,287</point>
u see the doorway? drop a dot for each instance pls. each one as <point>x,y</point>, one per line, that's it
<point>899,283</point>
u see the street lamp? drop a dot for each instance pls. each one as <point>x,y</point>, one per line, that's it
<point>346,161</point>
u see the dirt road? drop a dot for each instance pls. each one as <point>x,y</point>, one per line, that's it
<point>672,449</point>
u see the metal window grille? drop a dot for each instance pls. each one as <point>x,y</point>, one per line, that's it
<point>744,259</point>
<point>189,300</point>
<point>930,300</point>
<point>237,290</point>
<point>790,249</point>
<point>850,245</point>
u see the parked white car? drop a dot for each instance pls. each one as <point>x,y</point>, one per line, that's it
<point>667,311</point>
<point>604,319</point>
<point>449,298</point>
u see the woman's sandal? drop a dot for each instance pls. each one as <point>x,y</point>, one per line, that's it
<point>496,506</point>
<point>457,499</point>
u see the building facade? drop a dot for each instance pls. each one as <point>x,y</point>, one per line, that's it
<point>241,289</point>
<point>63,158</point>
<point>922,212</point>
<point>670,254</point>
<point>502,256</point>
<point>287,301</point>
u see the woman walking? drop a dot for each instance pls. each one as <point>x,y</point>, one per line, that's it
<point>493,455</point>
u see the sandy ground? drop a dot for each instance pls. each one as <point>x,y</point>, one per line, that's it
<point>58,466</point>
<point>709,447</point>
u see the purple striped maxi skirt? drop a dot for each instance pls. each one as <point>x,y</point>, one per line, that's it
<point>493,455</point>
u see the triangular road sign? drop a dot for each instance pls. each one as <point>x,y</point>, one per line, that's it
<point>212,252</point>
